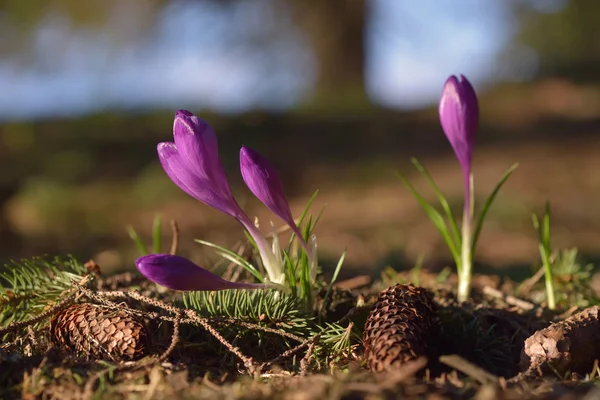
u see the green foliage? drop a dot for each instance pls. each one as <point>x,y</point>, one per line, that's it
<point>488,203</point>
<point>234,257</point>
<point>461,245</point>
<point>572,280</point>
<point>299,269</point>
<point>264,307</point>
<point>337,340</point>
<point>156,237</point>
<point>543,231</point>
<point>452,240</point>
<point>336,272</point>
<point>296,263</point>
<point>27,287</point>
<point>267,308</point>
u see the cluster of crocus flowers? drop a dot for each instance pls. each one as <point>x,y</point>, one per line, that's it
<point>193,164</point>
<point>459,117</point>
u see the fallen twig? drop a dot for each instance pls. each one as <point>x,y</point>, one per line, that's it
<point>470,369</point>
<point>305,362</point>
<point>508,299</point>
<point>526,286</point>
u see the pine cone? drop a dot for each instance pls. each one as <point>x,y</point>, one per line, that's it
<point>100,332</point>
<point>399,327</point>
<point>569,345</point>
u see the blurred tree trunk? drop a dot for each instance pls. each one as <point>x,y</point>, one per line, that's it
<point>336,31</point>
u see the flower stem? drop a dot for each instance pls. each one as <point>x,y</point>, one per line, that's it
<point>272,265</point>
<point>466,270</point>
<point>464,277</point>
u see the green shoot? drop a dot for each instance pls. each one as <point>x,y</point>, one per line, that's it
<point>137,239</point>
<point>437,220</point>
<point>234,258</point>
<point>543,231</point>
<point>336,272</point>
<point>156,239</point>
<point>441,199</point>
<point>298,268</point>
<point>460,244</point>
<point>488,202</point>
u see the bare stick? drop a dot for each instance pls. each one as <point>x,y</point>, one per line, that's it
<point>174,340</point>
<point>248,361</point>
<point>508,299</point>
<point>472,370</point>
<point>305,362</point>
<point>530,282</point>
<point>256,327</point>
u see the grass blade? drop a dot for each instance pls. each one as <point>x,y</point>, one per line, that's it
<point>233,257</point>
<point>442,200</point>
<point>156,230</point>
<point>546,227</point>
<point>308,205</point>
<point>488,203</point>
<point>290,271</point>
<point>437,220</point>
<point>139,243</point>
<point>336,272</point>
<point>543,233</point>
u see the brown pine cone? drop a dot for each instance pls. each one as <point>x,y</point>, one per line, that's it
<point>398,329</point>
<point>569,345</point>
<point>100,332</point>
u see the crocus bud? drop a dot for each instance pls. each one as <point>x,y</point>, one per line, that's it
<point>262,180</point>
<point>178,273</point>
<point>459,116</point>
<point>192,162</point>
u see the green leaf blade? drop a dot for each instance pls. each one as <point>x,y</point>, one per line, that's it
<point>487,205</point>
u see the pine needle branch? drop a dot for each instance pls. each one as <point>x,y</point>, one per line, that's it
<point>29,287</point>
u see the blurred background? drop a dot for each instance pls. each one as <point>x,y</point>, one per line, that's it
<point>339,94</point>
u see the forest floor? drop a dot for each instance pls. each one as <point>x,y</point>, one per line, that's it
<point>479,349</point>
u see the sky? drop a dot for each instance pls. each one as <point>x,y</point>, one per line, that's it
<point>196,56</point>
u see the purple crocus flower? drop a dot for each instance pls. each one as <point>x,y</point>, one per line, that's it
<point>459,116</point>
<point>178,273</point>
<point>262,180</point>
<point>192,162</point>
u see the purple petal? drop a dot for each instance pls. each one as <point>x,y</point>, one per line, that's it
<point>171,162</point>
<point>262,180</point>
<point>210,188</point>
<point>178,273</point>
<point>198,147</point>
<point>190,183</point>
<point>459,117</point>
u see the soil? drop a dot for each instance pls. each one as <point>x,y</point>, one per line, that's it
<point>481,351</point>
